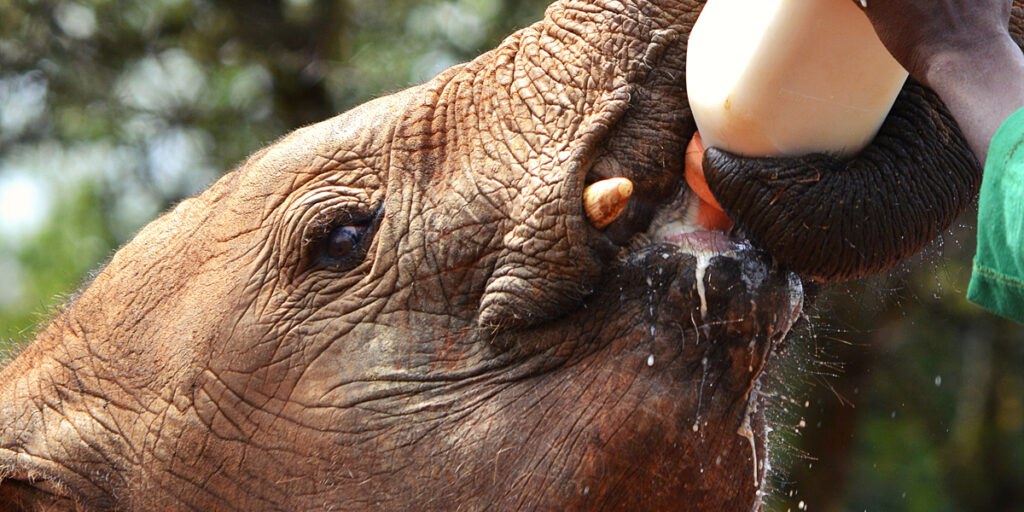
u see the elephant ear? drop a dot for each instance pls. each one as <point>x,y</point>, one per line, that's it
<point>835,219</point>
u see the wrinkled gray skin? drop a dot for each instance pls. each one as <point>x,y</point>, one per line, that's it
<point>405,308</point>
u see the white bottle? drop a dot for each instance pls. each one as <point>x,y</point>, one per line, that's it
<point>788,77</point>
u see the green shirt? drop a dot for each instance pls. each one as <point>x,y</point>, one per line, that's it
<point>997,282</point>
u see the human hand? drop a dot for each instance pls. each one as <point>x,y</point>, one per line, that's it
<point>921,33</point>
<point>963,50</point>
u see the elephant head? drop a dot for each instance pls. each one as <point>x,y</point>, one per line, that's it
<point>405,307</point>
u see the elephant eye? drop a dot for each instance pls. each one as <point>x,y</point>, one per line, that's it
<point>343,241</point>
<point>339,241</point>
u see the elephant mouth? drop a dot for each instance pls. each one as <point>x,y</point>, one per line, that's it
<point>734,283</point>
<point>709,315</point>
<point>732,293</point>
<point>694,222</point>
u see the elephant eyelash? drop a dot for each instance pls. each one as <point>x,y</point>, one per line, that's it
<point>317,239</point>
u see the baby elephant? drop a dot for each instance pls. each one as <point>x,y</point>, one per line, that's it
<point>408,306</point>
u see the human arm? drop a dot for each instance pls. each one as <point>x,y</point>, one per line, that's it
<point>961,49</point>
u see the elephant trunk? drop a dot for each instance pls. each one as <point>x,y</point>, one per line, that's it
<point>836,219</point>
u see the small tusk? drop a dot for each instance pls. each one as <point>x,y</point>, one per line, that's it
<point>605,200</point>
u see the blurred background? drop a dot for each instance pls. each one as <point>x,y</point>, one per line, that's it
<point>899,395</point>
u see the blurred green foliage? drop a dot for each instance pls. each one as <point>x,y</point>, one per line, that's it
<point>909,398</point>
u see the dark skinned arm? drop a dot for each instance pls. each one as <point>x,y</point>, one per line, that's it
<point>962,50</point>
